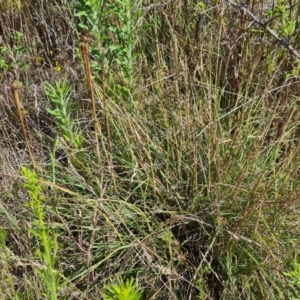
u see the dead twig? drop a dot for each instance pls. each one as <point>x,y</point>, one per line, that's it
<point>280,40</point>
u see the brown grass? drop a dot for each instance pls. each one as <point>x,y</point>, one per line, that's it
<point>194,191</point>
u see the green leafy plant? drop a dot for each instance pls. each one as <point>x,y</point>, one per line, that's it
<point>5,63</point>
<point>294,277</point>
<point>59,107</point>
<point>114,25</point>
<point>127,290</point>
<point>285,23</point>
<point>47,252</point>
<point>90,13</point>
<point>201,289</point>
<point>128,15</point>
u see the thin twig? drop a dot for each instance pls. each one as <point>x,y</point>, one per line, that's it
<point>280,40</point>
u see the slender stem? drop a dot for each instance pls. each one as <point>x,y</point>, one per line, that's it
<point>85,56</point>
<point>20,115</point>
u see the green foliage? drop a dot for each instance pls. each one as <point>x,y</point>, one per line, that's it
<point>12,4</point>
<point>201,288</point>
<point>3,63</point>
<point>294,277</point>
<point>6,61</point>
<point>114,24</point>
<point>122,291</point>
<point>47,253</point>
<point>89,12</point>
<point>60,109</point>
<point>285,22</point>
<point>126,11</point>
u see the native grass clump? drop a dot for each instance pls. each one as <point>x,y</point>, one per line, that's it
<point>149,150</point>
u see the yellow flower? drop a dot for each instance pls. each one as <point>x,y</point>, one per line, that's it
<point>57,67</point>
<point>39,60</point>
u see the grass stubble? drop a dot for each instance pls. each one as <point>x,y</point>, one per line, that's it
<point>190,185</point>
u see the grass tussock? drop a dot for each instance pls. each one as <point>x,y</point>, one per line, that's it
<point>154,150</point>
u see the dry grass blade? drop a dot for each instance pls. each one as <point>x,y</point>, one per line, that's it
<point>85,56</point>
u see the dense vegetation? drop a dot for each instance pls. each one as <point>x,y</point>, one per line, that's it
<point>149,149</point>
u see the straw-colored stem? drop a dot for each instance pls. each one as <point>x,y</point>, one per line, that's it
<point>85,57</point>
<point>20,115</point>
